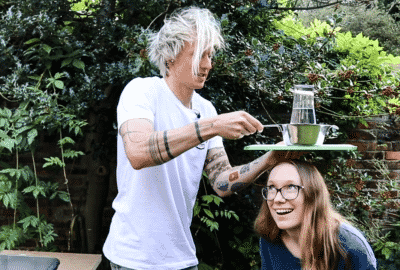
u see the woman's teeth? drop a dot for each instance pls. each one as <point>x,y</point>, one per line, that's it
<point>284,212</point>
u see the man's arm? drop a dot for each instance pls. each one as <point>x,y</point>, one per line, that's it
<point>226,179</point>
<point>146,147</point>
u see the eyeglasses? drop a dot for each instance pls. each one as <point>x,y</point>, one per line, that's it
<point>289,192</point>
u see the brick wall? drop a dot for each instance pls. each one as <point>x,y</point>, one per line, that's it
<point>379,140</point>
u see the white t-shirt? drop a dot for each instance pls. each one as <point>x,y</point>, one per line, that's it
<point>154,206</point>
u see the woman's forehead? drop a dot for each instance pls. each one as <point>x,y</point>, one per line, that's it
<point>283,182</point>
<point>284,173</point>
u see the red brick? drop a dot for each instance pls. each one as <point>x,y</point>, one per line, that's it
<point>393,165</point>
<point>384,147</point>
<point>371,184</point>
<point>354,135</point>
<point>395,145</point>
<point>372,155</point>
<point>392,155</point>
<point>393,205</point>
<point>361,146</point>
<point>367,135</point>
<point>394,175</point>
<point>371,125</point>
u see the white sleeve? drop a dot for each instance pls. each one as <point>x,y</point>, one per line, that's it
<point>136,101</point>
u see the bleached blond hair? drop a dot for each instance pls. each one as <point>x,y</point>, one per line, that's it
<point>191,24</point>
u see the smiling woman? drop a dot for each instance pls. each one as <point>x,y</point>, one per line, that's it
<point>299,228</point>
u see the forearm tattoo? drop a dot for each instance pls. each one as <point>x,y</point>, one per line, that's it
<point>214,157</point>
<point>196,126</point>
<point>218,168</point>
<point>245,168</point>
<point>233,176</point>
<point>154,149</point>
<point>167,146</point>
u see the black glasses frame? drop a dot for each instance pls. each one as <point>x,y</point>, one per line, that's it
<point>264,191</point>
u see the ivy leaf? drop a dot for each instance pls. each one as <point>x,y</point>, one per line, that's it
<point>53,161</point>
<point>3,135</point>
<point>66,62</point>
<point>79,64</point>
<point>217,200</point>
<point>59,84</point>
<point>64,196</point>
<point>65,140</point>
<point>32,134</point>
<point>32,41</point>
<point>254,41</point>
<point>58,75</point>
<point>47,48</point>
<point>196,209</point>
<point>72,153</point>
<point>207,198</point>
<point>209,213</point>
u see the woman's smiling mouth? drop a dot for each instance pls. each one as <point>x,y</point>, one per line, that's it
<point>283,211</point>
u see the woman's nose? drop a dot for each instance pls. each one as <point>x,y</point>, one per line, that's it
<point>279,197</point>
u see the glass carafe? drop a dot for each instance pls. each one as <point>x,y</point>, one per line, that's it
<point>303,111</point>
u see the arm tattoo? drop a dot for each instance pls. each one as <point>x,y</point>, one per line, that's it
<point>219,168</point>
<point>238,186</point>
<point>245,169</point>
<point>196,125</point>
<point>167,146</point>
<point>153,147</point>
<point>233,176</point>
<point>129,132</point>
<point>214,157</point>
<point>223,185</point>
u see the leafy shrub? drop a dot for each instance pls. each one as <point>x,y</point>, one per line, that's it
<point>355,85</point>
<point>373,22</point>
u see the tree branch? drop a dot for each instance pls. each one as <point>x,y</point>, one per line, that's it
<point>307,8</point>
<point>159,15</point>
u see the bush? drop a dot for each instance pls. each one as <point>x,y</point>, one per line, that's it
<point>373,22</point>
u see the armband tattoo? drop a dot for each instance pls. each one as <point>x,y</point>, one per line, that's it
<point>167,146</point>
<point>153,145</point>
<point>196,125</point>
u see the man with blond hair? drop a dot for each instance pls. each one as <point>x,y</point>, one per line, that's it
<point>167,135</point>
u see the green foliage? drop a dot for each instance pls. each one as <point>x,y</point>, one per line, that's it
<point>210,215</point>
<point>20,129</point>
<point>355,86</point>
<point>365,211</point>
<point>373,22</point>
<point>62,59</point>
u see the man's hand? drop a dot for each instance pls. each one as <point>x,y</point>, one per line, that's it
<point>236,125</point>
<point>280,156</point>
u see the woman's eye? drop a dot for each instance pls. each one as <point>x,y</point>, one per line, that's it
<point>291,187</point>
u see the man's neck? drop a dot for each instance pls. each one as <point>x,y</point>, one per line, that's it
<point>184,94</point>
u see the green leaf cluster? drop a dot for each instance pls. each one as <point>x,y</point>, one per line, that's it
<point>204,211</point>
